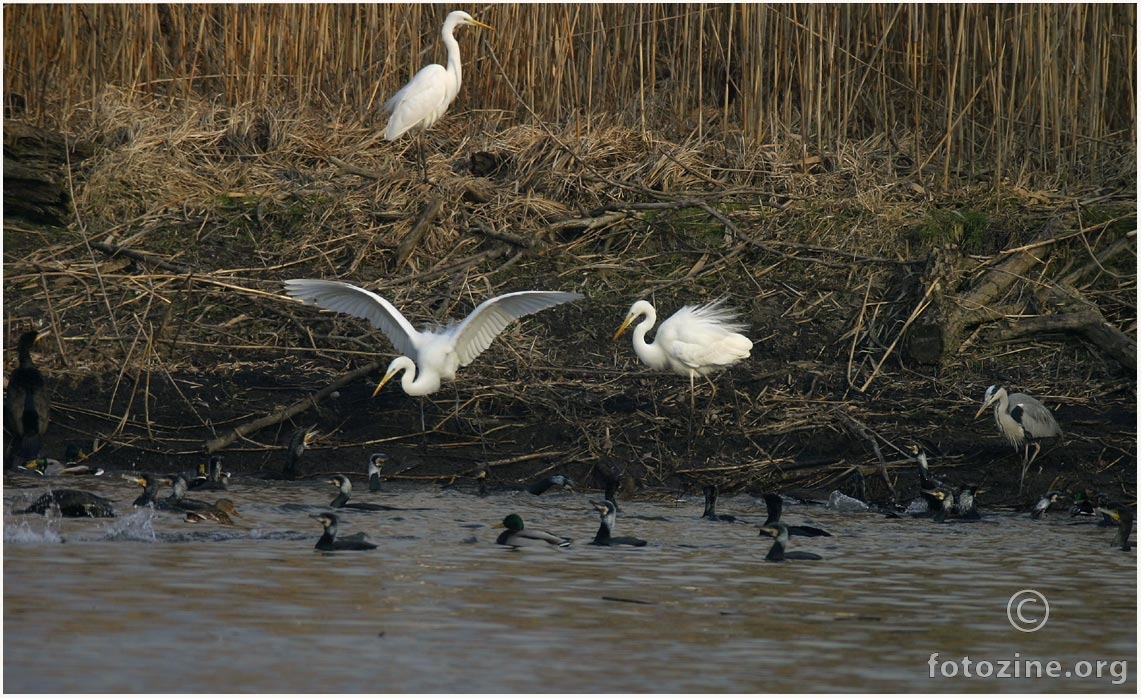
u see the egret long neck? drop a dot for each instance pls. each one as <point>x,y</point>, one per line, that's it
<point>454,68</point>
<point>416,381</point>
<point>650,353</point>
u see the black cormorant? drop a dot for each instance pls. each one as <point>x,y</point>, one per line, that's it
<point>777,553</point>
<point>297,445</point>
<point>374,462</point>
<point>178,501</point>
<point>341,501</point>
<point>150,484</point>
<point>710,492</point>
<point>1044,503</point>
<point>26,405</point>
<point>606,514</point>
<point>328,540</point>
<point>74,504</point>
<point>774,503</point>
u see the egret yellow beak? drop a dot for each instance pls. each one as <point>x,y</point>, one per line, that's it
<point>626,323</point>
<point>478,23</point>
<point>387,377</point>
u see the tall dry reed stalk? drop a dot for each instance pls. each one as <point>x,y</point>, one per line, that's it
<point>983,87</point>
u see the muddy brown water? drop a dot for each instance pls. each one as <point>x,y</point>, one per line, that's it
<point>147,602</point>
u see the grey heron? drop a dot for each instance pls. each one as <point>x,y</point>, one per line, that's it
<point>1023,421</point>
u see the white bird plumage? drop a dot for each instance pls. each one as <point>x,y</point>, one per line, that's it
<point>426,97</point>
<point>433,355</point>
<point>1022,420</point>
<point>694,341</point>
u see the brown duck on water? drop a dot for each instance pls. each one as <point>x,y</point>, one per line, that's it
<point>220,512</point>
<point>26,405</point>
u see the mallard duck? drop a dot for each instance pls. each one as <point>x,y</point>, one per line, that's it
<point>374,462</point>
<point>775,505</point>
<point>214,478</point>
<point>328,540</point>
<point>220,512</point>
<point>26,405</point>
<point>777,553</point>
<point>73,504</point>
<point>71,467</point>
<point>607,513</point>
<point>517,536</point>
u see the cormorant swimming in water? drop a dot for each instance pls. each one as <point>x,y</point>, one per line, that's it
<point>1044,503</point>
<point>941,501</point>
<point>328,540</point>
<point>543,484</point>
<point>178,501</point>
<point>73,504</point>
<point>965,503</point>
<point>297,445</point>
<point>775,505</point>
<point>1121,516</point>
<point>26,405</point>
<point>221,512</point>
<point>606,514</point>
<point>341,501</point>
<point>517,536</point>
<point>374,462</point>
<point>150,485</point>
<point>777,553</point>
<point>710,492</point>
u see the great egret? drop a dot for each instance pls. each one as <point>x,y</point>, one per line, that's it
<point>26,405</point>
<point>1022,420</point>
<point>426,97</point>
<point>433,355</point>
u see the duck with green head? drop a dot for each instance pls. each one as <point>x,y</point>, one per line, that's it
<point>518,536</point>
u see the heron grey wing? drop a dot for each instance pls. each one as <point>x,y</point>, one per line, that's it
<point>483,325</point>
<point>1037,421</point>
<point>353,300</point>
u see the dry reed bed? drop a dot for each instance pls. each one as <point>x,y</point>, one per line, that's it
<point>191,336</point>
<point>999,89</point>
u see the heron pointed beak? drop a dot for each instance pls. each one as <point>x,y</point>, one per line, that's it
<point>478,23</point>
<point>387,377</point>
<point>983,408</point>
<point>625,323</point>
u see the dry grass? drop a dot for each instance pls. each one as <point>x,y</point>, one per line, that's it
<point>992,89</point>
<point>822,257</point>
